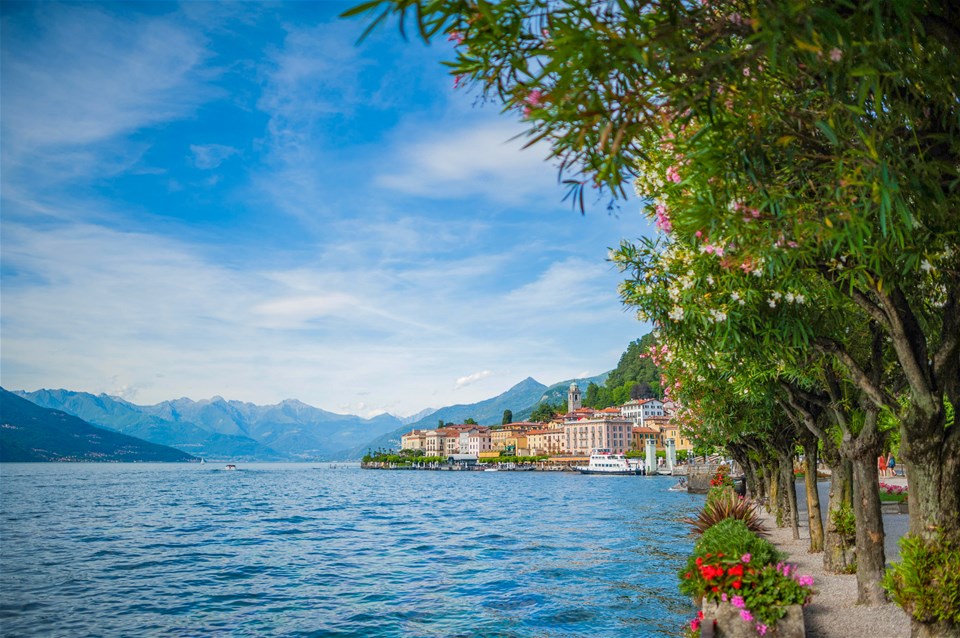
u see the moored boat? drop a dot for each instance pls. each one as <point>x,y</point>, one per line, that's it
<point>604,461</point>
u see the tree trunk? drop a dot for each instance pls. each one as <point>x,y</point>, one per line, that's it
<point>749,478</point>
<point>933,464</point>
<point>839,554</point>
<point>871,561</point>
<point>790,493</point>
<point>774,505</point>
<point>814,519</point>
<point>934,474</point>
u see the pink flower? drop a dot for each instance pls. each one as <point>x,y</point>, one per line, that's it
<point>663,219</point>
<point>723,597</point>
<point>806,581</point>
<point>746,615</point>
<point>455,36</point>
<point>762,630</point>
<point>737,601</point>
<point>695,624</point>
<point>746,72</point>
<point>674,175</point>
<point>698,234</point>
<point>745,558</point>
<point>836,54</point>
<point>534,98</point>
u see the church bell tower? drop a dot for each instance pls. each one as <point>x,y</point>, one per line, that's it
<point>573,398</point>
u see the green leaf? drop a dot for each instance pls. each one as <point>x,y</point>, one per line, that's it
<point>827,131</point>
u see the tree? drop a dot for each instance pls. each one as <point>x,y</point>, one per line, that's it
<point>812,143</point>
<point>470,421</point>
<point>507,417</point>
<point>545,412</point>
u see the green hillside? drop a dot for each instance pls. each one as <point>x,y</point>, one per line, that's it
<point>29,433</point>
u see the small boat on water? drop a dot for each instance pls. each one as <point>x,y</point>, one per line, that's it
<point>491,469</point>
<point>604,461</point>
<point>230,466</point>
<point>680,486</point>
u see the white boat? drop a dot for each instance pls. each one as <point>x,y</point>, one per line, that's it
<point>230,466</point>
<point>681,486</point>
<point>604,461</point>
<point>491,469</point>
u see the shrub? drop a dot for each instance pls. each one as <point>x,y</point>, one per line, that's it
<point>926,582</point>
<point>726,504</point>
<point>732,537</point>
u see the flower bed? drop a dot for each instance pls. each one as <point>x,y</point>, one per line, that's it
<point>741,581</point>
<point>893,493</point>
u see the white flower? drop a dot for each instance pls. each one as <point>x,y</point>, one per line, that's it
<point>710,279</point>
<point>926,266</point>
<point>790,297</point>
<point>676,314</point>
<point>800,298</point>
<point>773,304</point>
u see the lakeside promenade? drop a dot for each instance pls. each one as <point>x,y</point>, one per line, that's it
<point>834,612</point>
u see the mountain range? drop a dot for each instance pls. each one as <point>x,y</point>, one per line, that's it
<point>30,433</point>
<point>288,431</point>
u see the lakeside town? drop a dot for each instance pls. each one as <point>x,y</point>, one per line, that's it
<point>636,427</point>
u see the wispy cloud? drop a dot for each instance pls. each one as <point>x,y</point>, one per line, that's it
<point>91,76</point>
<point>483,158</point>
<point>470,379</point>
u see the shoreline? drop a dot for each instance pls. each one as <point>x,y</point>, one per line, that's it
<point>834,612</point>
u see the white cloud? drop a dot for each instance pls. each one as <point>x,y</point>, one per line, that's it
<point>467,160</point>
<point>470,379</point>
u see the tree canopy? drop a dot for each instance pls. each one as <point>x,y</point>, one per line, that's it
<point>801,162</point>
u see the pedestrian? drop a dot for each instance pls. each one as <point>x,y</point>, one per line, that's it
<point>881,465</point>
<point>891,464</point>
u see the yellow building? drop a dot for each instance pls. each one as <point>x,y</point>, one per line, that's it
<point>546,441</point>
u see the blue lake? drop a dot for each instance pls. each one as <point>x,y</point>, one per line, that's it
<point>318,550</point>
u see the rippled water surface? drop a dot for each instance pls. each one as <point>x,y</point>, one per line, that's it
<point>317,550</point>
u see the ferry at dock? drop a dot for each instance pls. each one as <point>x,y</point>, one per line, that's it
<point>604,461</point>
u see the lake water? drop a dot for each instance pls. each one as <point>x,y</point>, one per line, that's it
<point>319,550</point>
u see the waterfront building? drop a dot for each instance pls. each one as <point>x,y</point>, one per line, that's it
<point>415,440</point>
<point>642,434</point>
<point>585,432</point>
<point>639,410</point>
<point>475,440</point>
<point>505,437</point>
<point>546,441</point>
<point>433,443</point>
<point>672,431</point>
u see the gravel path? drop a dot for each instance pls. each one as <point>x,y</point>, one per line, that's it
<point>834,612</point>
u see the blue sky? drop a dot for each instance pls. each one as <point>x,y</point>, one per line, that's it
<point>206,199</point>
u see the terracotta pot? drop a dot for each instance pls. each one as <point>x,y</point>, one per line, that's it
<point>729,624</point>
